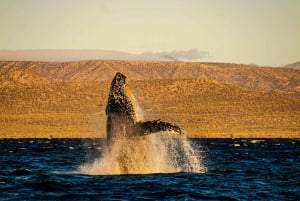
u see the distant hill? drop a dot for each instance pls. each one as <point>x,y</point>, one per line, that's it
<point>63,55</point>
<point>80,55</point>
<point>245,76</point>
<point>41,99</point>
<point>201,108</point>
<point>294,65</point>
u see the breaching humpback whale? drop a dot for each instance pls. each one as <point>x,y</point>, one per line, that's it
<point>122,116</point>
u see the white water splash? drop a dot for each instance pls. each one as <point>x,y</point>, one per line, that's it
<point>138,108</point>
<point>156,153</point>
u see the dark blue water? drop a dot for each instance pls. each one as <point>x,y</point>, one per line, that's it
<point>42,169</point>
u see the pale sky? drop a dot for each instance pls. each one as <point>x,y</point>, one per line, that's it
<point>263,32</point>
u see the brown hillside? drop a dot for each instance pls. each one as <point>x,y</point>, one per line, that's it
<point>294,65</point>
<point>202,108</point>
<point>250,77</point>
<point>39,99</point>
<point>21,77</point>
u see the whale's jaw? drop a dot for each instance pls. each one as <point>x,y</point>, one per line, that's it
<point>122,117</point>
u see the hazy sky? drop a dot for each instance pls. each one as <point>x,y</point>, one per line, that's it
<point>264,32</point>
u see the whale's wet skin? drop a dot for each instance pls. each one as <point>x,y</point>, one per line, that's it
<point>140,147</point>
<point>123,120</point>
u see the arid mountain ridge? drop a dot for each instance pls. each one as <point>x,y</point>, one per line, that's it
<point>40,99</point>
<point>251,77</point>
<point>294,65</point>
<point>66,55</point>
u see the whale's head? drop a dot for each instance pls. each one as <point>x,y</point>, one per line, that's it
<point>120,100</point>
<point>118,84</point>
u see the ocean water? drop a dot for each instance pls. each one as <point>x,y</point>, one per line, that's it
<point>231,169</point>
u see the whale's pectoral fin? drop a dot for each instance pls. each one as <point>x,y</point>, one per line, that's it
<point>154,126</point>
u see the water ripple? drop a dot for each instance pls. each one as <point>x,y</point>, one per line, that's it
<point>47,170</point>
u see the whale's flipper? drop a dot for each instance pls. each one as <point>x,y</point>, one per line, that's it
<point>154,126</point>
